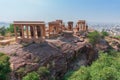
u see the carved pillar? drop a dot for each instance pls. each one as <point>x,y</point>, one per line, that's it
<point>70,26</point>
<point>84,27</point>
<point>49,29</point>
<point>43,31</point>
<point>77,27</point>
<point>80,26</point>
<point>34,35</point>
<point>15,32</point>
<point>22,27</point>
<point>57,29</point>
<point>20,31</point>
<point>27,32</point>
<point>31,31</point>
<point>39,31</point>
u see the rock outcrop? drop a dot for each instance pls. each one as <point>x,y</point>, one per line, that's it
<point>58,56</point>
<point>102,45</point>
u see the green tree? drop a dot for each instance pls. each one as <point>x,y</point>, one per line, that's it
<point>94,37</point>
<point>43,71</point>
<point>107,67</point>
<point>10,28</point>
<point>3,31</point>
<point>104,33</point>
<point>31,76</point>
<point>4,66</point>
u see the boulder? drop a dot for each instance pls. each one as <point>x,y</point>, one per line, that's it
<point>5,42</point>
<point>103,45</point>
<point>1,37</point>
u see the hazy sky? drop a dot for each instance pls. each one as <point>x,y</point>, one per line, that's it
<point>48,10</point>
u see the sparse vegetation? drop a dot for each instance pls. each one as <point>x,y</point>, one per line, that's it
<point>31,76</point>
<point>4,66</point>
<point>13,54</point>
<point>118,37</point>
<point>35,75</point>
<point>43,71</point>
<point>36,59</point>
<point>107,67</point>
<point>21,71</point>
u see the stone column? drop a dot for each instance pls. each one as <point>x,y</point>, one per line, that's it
<point>80,26</point>
<point>39,33</point>
<point>34,35</point>
<point>85,26</point>
<point>57,28</point>
<point>27,32</point>
<point>31,31</point>
<point>49,29</point>
<point>22,27</point>
<point>70,26</point>
<point>15,32</point>
<point>43,31</point>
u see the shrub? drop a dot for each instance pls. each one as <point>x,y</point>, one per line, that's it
<point>21,71</point>
<point>2,31</point>
<point>4,66</point>
<point>43,71</point>
<point>94,37</point>
<point>104,33</point>
<point>31,76</point>
<point>118,37</point>
<point>10,28</point>
<point>107,67</point>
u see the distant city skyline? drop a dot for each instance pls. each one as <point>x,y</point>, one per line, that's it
<point>106,11</point>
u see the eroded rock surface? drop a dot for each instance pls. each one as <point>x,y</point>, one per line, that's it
<point>58,55</point>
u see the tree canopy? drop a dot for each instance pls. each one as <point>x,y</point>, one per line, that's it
<point>107,67</point>
<point>4,66</point>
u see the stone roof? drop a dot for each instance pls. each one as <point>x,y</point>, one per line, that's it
<point>29,22</point>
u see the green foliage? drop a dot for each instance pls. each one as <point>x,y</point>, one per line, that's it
<point>31,76</point>
<point>21,71</point>
<point>2,31</point>
<point>4,66</point>
<point>10,28</point>
<point>94,37</point>
<point>107,67</point>
<point>43,71</point>
<point>104,33</point>
<point>118,37</point>
<point>36,59</point>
